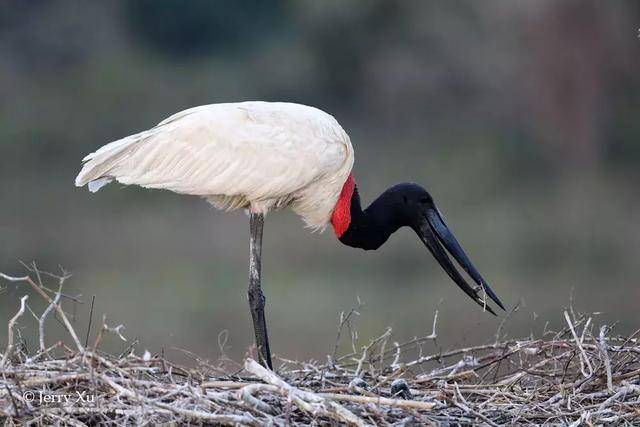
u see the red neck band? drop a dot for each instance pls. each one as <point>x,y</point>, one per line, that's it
<point>341,217</point>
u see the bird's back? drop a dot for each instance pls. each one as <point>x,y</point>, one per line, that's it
<point>251,154</point>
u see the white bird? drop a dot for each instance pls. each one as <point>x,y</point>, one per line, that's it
<point>262,156</point>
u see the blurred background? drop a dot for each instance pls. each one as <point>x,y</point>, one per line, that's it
<point>521,118</point>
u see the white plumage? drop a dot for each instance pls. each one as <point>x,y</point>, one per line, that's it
<point>256,155</point>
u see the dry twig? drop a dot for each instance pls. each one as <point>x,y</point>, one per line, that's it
<point>570,377</point>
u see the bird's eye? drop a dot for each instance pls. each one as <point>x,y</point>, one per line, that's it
<point>424,200</point>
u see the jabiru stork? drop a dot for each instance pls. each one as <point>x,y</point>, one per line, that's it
<point>262,156</point>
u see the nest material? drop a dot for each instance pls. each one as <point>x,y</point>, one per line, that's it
<point>574,376</point>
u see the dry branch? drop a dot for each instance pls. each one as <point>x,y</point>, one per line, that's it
<point>12,322</point>
<point>571,377</point>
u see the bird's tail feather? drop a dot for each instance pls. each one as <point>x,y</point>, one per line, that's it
<point>98,165</point>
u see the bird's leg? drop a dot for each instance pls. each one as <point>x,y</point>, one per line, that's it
<point>256,297</point>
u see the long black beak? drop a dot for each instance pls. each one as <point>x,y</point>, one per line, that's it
<point>434,233</point>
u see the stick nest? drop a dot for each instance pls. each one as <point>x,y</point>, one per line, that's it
<point>578,375</point>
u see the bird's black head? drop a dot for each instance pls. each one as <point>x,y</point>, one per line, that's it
<point>412,206</point>
<point>410,202</point>
<point>401,205</point>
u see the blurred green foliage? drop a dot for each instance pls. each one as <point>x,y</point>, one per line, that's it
<point>205,26</point>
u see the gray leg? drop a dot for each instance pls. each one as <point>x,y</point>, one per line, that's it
<point>256,297</point>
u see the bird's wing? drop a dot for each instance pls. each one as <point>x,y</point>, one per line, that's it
<point>256,150</point>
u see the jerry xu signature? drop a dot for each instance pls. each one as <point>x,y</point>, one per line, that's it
<point>47,398</point>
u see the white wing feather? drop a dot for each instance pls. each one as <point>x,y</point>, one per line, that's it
<point>252,154</point>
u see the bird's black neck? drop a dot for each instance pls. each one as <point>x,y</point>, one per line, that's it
<point>405,205</point>
<point>370,228</point>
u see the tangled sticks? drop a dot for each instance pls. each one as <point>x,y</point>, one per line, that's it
<point>578,375</point>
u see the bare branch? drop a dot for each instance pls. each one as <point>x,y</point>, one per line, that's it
<point>47,298</point>
<point>12,322</point>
